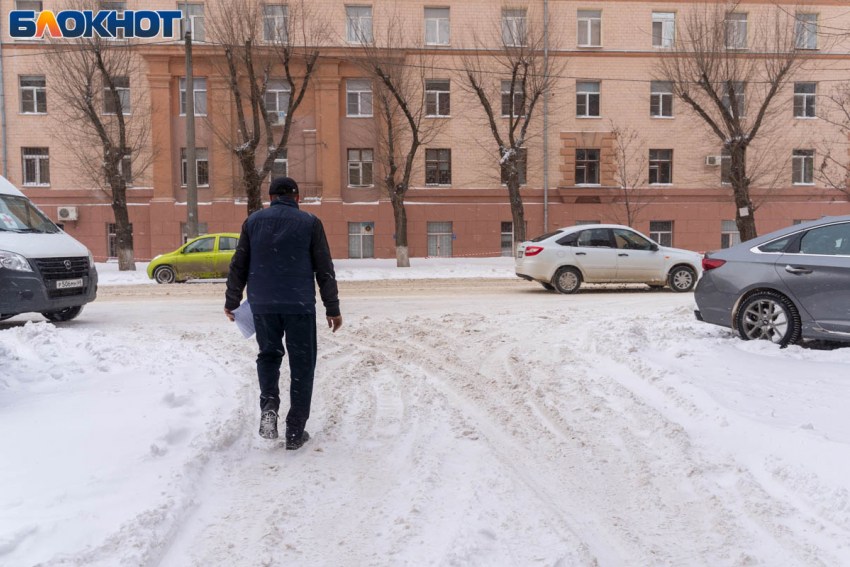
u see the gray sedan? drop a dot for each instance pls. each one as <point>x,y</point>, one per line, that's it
<point>788,285</point>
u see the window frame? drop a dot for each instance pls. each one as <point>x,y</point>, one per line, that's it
<point>655,92</point>
<point>587,100</point>
<point>438,235</point>
<point>583,164</point>
<point>40,9</point>
<point>731,235</point>
<point>799,160</point>
<point>805,98</point>
<point>198,161</point>
<point>587,22</point>
<point>358,18</point>
<point>203,230</point>
<point>360,161</point>
<point>801,25</point>
<point>280,28</point>
<point>437,20</point>
<point>111,5</point>
<point>193,22</point>
<point>657,235</point>
<point>366,230</point>
<point>438,96</point>
<point>657,165</point>
<point>739,21</point>
<point>35,91</point>
<point>112,239</point>
<point>433,164</point>
<point>506,92</point>
<point>195,91</point>
<point>121,93</point>
<point>512,19</point>
<point>663,18</point>
<point>38,158</point>
<point>741,98</point>
<point>285,87</point>
<point>359,92</point>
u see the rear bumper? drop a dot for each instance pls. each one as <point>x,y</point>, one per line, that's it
<point>713,306</point>
<point>27,292</point>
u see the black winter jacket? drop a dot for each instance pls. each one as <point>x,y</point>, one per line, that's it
<point>280,251</point>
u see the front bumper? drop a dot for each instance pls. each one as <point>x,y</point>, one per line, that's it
<point>29,292</point>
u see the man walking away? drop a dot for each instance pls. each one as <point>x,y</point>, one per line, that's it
<point>279,252</point>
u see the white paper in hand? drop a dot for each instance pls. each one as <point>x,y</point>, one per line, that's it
<point>245,320</point>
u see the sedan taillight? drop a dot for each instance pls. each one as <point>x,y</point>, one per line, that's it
<point>533,250</point>
<point>711,263</point>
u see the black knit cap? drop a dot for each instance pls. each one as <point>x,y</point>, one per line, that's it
<point>283,186</point>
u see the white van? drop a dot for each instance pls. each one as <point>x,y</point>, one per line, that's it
<point>42,269</point>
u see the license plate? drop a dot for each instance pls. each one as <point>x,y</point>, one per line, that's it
<point>519,254</point>
<point>68,284</point>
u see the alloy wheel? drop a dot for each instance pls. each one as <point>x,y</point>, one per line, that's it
<point>683,279</point>
<point>765,319</point>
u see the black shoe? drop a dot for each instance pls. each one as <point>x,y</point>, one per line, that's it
<point>295,442</point>
<point>268,424</point>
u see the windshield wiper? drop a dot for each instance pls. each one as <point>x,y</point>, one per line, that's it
<point>39,231</point>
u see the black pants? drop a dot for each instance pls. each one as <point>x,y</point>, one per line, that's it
<point>300,333</point>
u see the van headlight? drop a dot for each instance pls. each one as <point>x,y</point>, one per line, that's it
<point>12,261</point>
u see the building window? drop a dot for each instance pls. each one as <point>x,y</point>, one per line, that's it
<point>358,96</point>
<point>507,237</point>
<point>521,164</point>
<point>587,167</point>
<point>801,221</point>
<point>202,230</point>
<point>663,29</point>
<point>586,222</point>
<point>437,26</point>
<point>360,168</point>
<point>437,97</point>
<point>589,28</point>
<point>358,24</point>
<point>725,167</point>
<point>660,167</point>
<point>33,94</point>
<point>440,239</point>
<point>361,240</point>
<point>514,27</point>
<point>736,31</point>
<point>122,88</point>
<point>112,239</point>
<point>277,100</point>
<point>729,235</point>
<point>661,232</point>
<point>202,167</point>
<point>661,99</point>
<point>280,168</point>
<point>438,167</point>
<point>519,100</point>
<point>803,167</point>
<point>275,23</point>
<point>200,96</point>
<point>805,100</point>
<point>36,166</point>
<point>736,92</point>
<point>587,99</point>
<point>30,5</point>
<point>118,7</point>
<point>806,31</point>
<point>196,21</point>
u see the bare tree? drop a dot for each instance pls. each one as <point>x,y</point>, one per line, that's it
<point>264,45</point>
<point>630,174</point>
<point>399,73</point>
<point>728,67</point>
<point>834,168</point>
<point>507,73</point>
<point>107,120</point>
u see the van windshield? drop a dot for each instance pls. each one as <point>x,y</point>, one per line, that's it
<point>17,214</point>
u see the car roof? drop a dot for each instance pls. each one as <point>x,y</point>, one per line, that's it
<point>574,228</point>
<point>6,188</point>
<point>792,229</point>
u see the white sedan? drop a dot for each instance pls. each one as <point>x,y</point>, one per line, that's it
<point>605,253</point>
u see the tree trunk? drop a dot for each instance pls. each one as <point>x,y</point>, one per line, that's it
<point>253,185</point>
<point>400,216</point>
<point>517,210</point>
<point>123,232</point>
<point>741,188</point>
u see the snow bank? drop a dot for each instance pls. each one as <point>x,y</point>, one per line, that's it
<point>103,440</point>
<point>358,270</point>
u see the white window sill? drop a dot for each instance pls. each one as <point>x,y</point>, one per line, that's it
<point>437,116</point>
<point>359,115</point>
<point>195,115</point>
<point>662,117</point>
<point>588,185</point>
<point>661,184</point>
<point>589,46</point>
<point>509,116</point>
<point>803,184</point>
<point>198,186</point>
<point>586,117</point>
<point>438,44</point>
<point>663,46</point>
<point>438,185</point>
<point>35,184</point>
<point>32,113</point>
<point>806,117</point>
<point>116,114</point>
<point>361,186</point>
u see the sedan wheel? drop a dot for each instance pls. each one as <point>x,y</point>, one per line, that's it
<point>771,317</point>
<point>567,280</point>
<point>682,279</point>
<point>164,275</point>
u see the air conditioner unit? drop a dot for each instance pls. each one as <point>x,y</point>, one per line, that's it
<point>712,160</point>
<point>67,213</point>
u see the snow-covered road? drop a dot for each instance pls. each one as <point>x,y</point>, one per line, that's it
<point>465,422</point>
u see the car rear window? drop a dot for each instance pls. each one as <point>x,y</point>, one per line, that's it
<point>547,235</point>
<point>777,245</point>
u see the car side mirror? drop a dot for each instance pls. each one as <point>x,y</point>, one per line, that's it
<point>654,247</point>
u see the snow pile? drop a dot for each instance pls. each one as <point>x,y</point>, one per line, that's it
<point>104,435</point>
<point>108,274</point>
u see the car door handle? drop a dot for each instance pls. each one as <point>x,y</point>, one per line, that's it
<point>622,254</point>
<point>581,253</point>
<point>793,270</point>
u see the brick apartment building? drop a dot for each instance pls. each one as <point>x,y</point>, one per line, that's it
<point>610,48</point>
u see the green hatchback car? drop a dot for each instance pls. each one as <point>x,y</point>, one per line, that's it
<point>207,256</point>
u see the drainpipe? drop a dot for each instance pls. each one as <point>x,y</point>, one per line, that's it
<point>546,117</point>
<point>3,108</point>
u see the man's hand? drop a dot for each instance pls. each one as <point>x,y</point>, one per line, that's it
<point>229,314</point>
<point>335,323</point>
